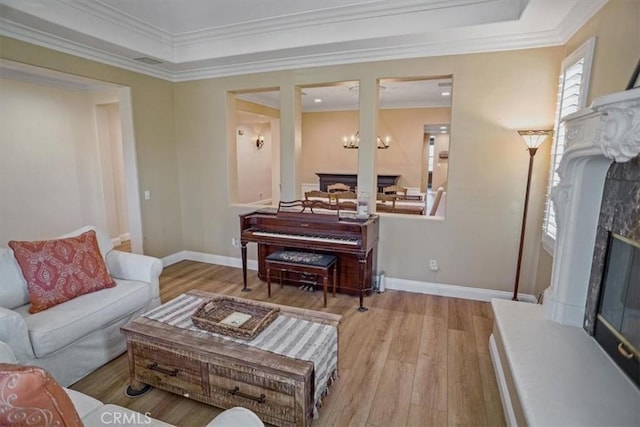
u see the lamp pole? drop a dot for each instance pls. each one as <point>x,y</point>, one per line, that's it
<point>532,152</point>
<point>533,139</point>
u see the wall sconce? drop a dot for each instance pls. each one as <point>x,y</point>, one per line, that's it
<point>353,141</point>
<point>259,142</point>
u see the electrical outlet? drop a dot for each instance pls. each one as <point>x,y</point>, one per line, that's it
<point>433,265</point>
<point>234,241</point>
<point>147,195</point>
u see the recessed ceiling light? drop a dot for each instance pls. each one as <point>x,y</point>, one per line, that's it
<point>443,131</point>
<point>317,100</point>
<point>443,127</point>
<point>446,93</point>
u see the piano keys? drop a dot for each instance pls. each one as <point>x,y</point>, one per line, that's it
<point>353,240</point>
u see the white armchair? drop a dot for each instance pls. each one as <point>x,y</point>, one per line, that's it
<point>74,338</point>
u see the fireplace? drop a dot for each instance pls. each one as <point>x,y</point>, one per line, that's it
<point>602,146</point>
<point>617,327</point>
<point>550,369</point>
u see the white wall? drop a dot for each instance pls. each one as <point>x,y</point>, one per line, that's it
<point>254,165</point>
<point>49,164</point>
<point>109,134</point>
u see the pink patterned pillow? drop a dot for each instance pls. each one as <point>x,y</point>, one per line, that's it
<point>59,270</point>
<point>30,396</point>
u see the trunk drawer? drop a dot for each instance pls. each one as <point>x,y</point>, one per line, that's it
<point>167,370</point>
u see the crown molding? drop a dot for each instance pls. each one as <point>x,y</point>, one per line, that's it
<point>427,49</point>
<point>121,20</point>
<point>579,16</point>
<point>38,38</point>
<point>428,45</point>
<point>418,50</point>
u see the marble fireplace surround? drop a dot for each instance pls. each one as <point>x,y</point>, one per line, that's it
<point>608,131</point>
<point>549,369</point>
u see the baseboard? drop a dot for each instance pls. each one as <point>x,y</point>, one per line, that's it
<point>174,258</point>
<point>453,291</point>
<point>390,282</point>
<point>208,259</point>
<point>507,407</point>
<point>116,241</point>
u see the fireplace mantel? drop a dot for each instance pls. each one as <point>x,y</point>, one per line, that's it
<point>543,359</point>
<point>595,137</point>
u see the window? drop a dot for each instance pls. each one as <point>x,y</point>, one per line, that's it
<point>572,96</point>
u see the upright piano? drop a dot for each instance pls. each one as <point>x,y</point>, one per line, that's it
<point>353,240</point>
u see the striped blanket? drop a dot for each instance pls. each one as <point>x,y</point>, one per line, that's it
<point>286,336</point>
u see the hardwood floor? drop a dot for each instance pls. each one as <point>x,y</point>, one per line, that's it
<point>411,360</point>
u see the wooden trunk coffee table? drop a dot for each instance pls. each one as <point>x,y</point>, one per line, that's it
<point>224,372</point>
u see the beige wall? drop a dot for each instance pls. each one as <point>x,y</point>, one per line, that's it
<point>617,30</point>
<point>49,167</point>
<point>322,150</point>
<point>254,165</point>
<point>154,134</point>
<point>476,245</point>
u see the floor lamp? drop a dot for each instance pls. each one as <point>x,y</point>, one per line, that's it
<point>533,139</point>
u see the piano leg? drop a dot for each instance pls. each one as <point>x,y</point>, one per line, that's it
<point>243,250</point>
<point>363,270</point>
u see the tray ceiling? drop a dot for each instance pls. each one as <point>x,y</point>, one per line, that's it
<point>193,39</point>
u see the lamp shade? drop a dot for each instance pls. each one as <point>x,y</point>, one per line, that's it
<point>534,138</point>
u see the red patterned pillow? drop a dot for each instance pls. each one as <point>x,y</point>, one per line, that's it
<point>59,270</point>
<point>30,396</point>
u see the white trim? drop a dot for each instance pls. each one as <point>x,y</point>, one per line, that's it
<point>115,241</point>
<point>179,69</point>
<point>453,291</point>
<point>548,244</point>
<point>174,258</point>
<point>208,259</point>
<point>507,406</point>
<point>131,183</point>
<point>585,53</point>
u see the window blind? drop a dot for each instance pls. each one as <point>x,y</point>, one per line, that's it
<point>573,86</point>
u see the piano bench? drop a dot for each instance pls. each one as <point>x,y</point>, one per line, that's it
<point>304,263</point>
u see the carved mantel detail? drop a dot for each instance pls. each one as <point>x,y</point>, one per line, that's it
<point>618,134</point>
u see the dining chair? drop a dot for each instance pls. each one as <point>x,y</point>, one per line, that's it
<point>385,202</point>
<point>395,190</point>
<point>338,186</point>
<point>321,199</point>
<point>346,200</point>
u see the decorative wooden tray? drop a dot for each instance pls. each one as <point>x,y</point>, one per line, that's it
<point>238,319</point>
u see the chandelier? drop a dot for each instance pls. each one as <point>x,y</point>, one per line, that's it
<point>353,141</point>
